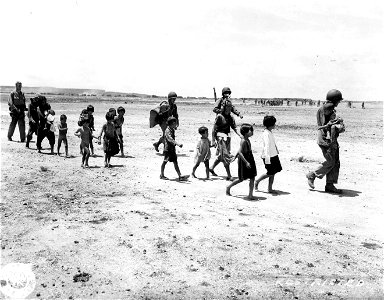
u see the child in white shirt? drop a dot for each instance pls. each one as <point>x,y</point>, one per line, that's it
<point>269,154</point>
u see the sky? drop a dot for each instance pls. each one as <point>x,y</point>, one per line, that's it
<point>257,48</point>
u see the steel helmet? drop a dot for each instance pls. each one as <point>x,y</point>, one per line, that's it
<point>226,90</point>
<point>334,96</point>
<point>172,95</point>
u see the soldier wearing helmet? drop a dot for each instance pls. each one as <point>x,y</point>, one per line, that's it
<point>226,95</point>
<point>330,148</point>
<point>17,108</point>
<point>166,111</point>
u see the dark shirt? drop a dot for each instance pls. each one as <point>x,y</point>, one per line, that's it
<point>218,106</point>
<point>16,99</point>
<point>32,112</point>
<point>171,112</point>
<point>170,143</point>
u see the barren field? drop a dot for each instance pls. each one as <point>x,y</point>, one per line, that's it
<point>124,233</point>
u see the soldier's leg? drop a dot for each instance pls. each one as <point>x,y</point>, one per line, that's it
<point>333,175</point>
<point>12,126</point>
<point>40,137</point>
<point>328,164</point>
<point>21,123</point>
<point>29,134</point>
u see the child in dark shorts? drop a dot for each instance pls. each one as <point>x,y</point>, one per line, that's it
<point>91,110</point>
<point>269,154</point>
<point>110,140</point>
<point>119,121</point>
<point>170,149</point>
<point>63,128</point>
<point>246,161</point>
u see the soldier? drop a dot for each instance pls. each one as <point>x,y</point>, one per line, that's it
<point>163,115</point>
<point>33,118</point>
<point>226,94</point>
<point>17,108</point>
<point>330,167</point>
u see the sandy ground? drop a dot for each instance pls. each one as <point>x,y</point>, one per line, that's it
<point>131,235</point>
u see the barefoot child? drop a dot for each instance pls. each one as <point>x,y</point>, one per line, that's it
<point>119,121</point>
<point>269,154</point>
<point>91,110</point>
<point>170,149</point>
<point>246,162</point>
<point>203,151</point>
<point>110,140</point>
<point>62,126</point>
<point>85,134</point>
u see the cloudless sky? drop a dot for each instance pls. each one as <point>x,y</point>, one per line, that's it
<point>257,48</point>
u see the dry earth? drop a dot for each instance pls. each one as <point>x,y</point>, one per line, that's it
<point>129,234</point>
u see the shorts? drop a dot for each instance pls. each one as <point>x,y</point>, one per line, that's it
<point>170,156</point>
<point>274,167</point>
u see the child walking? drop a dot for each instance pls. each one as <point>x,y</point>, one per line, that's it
<point>269,154</point>
<point>91,110</point>
<point>246,162</point>
<point>110,140</point>
<point>170,149</point>
<point>119,121</point>
<point>63,128</point>
<point>203,151</point>
<point>85,134</point>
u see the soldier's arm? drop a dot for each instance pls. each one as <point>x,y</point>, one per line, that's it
<point>217,107</point>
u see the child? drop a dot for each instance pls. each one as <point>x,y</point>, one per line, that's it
<point>246,162</point>
<point>170,149</point>
<point>50,128</point>
<point>90,111</point>
<point>110,140</point>
<point>334,127</point>
<point>62,134</point>
<point>269,154</point>
<point>85,134</point>
<point>83,117</point>
<point>119,121</point>
<point>203,151</point>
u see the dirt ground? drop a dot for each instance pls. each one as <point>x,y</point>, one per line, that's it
<point>124,233</point>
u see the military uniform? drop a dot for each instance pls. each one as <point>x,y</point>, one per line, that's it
<point>33,117</point>
<point>17,107</point>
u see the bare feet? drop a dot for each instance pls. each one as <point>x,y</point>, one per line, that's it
<point>251,197</point>
<point>228,191</point>
<point>272,192</point>
<point>193,175</point>
<point>256,186</point>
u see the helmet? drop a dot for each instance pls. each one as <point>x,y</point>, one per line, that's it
<point>226,90</point>
<point>334,96</point>
<point>172,95</point>
<point>90,108</point>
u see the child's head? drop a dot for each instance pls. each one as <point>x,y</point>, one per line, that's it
<point>109,116</point>
<point>112,111</point>
<point>90,109</point>
<point>172,122</point>
<point>51,112</point>
<point>121,111</point>
<point>63,118</point>
<point>269,121</point>
<point>246,130</point>
<point>203,131</point>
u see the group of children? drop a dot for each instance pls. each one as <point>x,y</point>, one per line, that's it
<point>111,132</point>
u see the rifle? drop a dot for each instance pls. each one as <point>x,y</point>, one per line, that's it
<point>214,93</point>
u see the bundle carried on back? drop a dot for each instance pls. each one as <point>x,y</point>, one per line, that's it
<point>156,114</point>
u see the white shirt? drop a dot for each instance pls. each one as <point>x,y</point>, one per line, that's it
<point>269,146</point>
